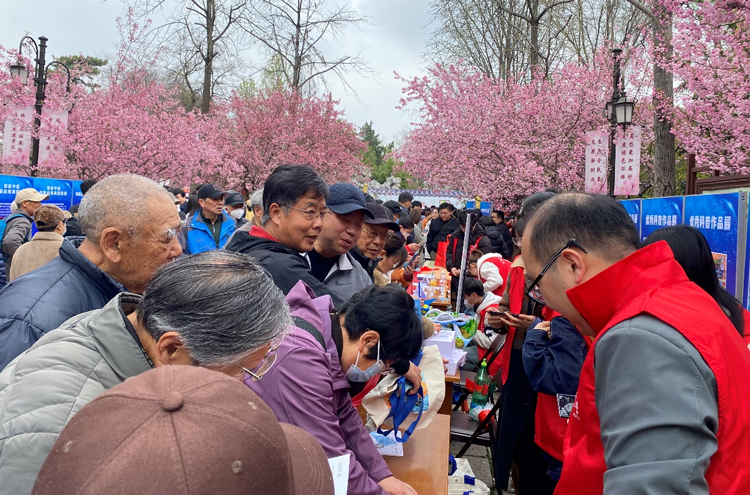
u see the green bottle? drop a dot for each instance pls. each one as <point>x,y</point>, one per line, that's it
<point>482,380</point>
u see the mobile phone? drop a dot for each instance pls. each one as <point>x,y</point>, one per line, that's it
<point>512,314</point>
<point>413,258</point>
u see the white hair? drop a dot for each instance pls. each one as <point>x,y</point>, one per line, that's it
<point>119,201</point>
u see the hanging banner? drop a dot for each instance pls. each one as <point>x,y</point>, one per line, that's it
<point>17,136</point>
<point>717,216</point>
<point>661,212</point>
<point>484,206</point>
<point>633,207</point>
<point>597,151</point>
<point>48,143</point>
<point>628,162</point>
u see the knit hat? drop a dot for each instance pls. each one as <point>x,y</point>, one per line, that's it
<point>47,217</point>
<point>182,429</point>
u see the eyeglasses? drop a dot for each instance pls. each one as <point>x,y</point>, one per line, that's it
<point>312,214</point>
<point>268,360</point>
<point>533,289</point>
<point>372,234</point>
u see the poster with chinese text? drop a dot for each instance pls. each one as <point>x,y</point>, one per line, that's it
<point>597,152</point>
<point>48,143</point>
<point>17,136</point>
<point>628,162</point>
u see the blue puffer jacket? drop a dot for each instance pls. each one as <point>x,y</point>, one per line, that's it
<point>195,237</point>
<point>43,299</point>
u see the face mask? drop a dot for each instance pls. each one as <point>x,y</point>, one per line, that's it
<point>238,213</point>
<point>356,375</point>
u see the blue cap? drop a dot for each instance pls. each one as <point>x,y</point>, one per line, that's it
<point>346,198</point>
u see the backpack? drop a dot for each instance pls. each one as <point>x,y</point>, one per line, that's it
<point>3,225</point>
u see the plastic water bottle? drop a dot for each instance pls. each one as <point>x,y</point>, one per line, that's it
<point>482,381</point>
<point>443,284</point>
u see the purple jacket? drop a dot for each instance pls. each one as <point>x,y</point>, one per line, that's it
<point>306,387</point>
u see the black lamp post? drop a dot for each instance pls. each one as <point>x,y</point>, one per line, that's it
<point>619,111</point>
<point>40,81</point>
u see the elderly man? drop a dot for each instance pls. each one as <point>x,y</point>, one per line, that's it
<point>375,233</point>
<point>663,400</point>
<point>18,225</point>
<point>294,204</point>
<point>210,227</point>
<point>241,313</point>
<point>330,260</point>
<point>131,230</point>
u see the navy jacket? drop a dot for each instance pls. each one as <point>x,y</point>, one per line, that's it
<point>553,365</point>
<point>43,299</point>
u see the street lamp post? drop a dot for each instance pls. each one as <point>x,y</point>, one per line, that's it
<point>619,111</point>
<point>40,81</point>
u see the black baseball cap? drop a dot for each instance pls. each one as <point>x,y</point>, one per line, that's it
<point>381,216</point>
<point>233,199</point>
<point>209,191</point>
<point>396,208</point>
<point>346,198</point>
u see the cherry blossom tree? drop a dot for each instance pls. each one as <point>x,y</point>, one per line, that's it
<point>505,140</point>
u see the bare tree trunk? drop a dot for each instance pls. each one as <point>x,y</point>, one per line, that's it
<point>664,146</point>
<point>209,56</point>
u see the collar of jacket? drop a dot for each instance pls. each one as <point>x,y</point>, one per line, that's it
<point>47,236</point>
<point>116,339</point>
<point>262,233</point>
<point>649,269</point>
<point>198,223</point>
<point>106,284</point>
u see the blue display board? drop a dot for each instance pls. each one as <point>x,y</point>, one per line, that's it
<point>60,191</point>
<point>661,212</point>
<point>484,206</point>
<point>717,216</point>
<point>633,207</point>
<point>9,186</point>
<point>77,194</point>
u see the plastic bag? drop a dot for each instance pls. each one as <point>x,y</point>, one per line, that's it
<point>462,480</point>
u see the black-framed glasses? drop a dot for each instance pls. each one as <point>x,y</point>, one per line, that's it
<point>533,288</point>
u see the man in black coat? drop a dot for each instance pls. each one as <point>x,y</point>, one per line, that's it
<point>294,204</point>
<point>478,239</point>
<point>441,228</point>
<point>498,216</point>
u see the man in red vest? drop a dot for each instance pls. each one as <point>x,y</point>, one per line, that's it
<point>663,403</point>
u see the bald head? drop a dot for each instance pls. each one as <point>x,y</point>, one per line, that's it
<point>120,201</point>
<point>598,223</point>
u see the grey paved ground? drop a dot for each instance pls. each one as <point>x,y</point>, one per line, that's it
<point>481,463</point>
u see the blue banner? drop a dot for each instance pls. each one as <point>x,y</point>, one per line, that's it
<point>661,212</point>
<point>60,191</point>
<point>9,186</point>
<point>633,207</point>
<point>77,194</point>
<point>717,217</point>
<point>484,206</point>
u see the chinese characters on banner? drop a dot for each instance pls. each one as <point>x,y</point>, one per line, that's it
<point>597,148</point>
<point>17,136</point>
<point>48,145</point>
<point>628,163</point>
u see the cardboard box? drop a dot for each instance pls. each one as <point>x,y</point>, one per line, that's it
<point>445,340</point>
<point>457,359</point>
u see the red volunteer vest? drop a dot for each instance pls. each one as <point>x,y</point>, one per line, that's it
<point>746,318</point>
<point>515,294</point>
<point>503,266</point>
<point>651,282</point>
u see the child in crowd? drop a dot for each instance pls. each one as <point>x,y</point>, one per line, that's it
<point>481,301</point>
<point>491,269</point>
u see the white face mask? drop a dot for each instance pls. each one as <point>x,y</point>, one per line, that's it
<point>238,213</point>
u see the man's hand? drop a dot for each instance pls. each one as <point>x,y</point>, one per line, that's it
<point>546,326</point>
<point>394,486</point>
<point>495,319</point>
<point>414,375</point>
<point>455,272</point>
<point>522,322</point>
<point>413,247</point>
<point>408,273</point>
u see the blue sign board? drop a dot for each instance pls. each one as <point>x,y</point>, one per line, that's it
<point>77,194</point>
<point>9,186</point>
<point>717,216</point>
<point>633,207</point>
<point>60,191</point>
<point>484,206</point>
<point>661,212</point>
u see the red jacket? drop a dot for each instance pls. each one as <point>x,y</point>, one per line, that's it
<point>651,282</point>
<point>516,292</point>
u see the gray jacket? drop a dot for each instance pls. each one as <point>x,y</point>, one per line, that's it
<point>66,369</point>
<point>346,278</point>
<point>658,408</point>
<point>17,232</point>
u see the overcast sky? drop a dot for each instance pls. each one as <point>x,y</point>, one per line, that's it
<point>393,41</point>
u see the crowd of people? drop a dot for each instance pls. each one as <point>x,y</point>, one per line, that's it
<point>226,339</point>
